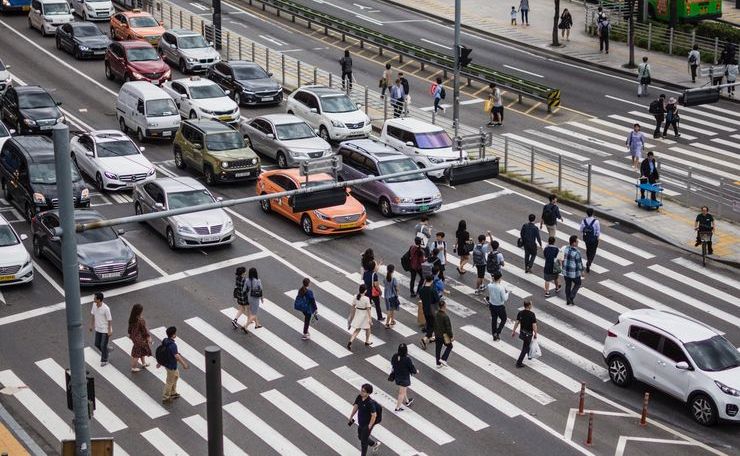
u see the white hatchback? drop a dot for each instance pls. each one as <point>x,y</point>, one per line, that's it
<point>330,111</point>
<point>15,262</point>
<point>680,356</point>
<point>198,98</point>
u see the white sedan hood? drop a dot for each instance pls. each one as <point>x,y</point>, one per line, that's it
<point>130,164</point>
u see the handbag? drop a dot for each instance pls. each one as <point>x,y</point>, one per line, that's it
<point>392,376</point>
<point>520,243</point>
<point>534,350</point>
<point>447,339</point>
<point>556,268</point>
<point>487,106</point>
<point>237,293</point>
<point>255,292</point>
<point>420,319</point>
<point>469,244</point>
<point>523,335</point>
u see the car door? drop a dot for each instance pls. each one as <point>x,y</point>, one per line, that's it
<point>10,108</point>
<point>357,162</point>
<point>10,164</point>
<point>51,245</point>
<point>375,189</point>
<point>259,137</point>
<point>156,194</point>
<point>196,153</point>
<point>313,112</point>
<point>181,98</point>
<point>216,73</point>
<point>85,155</point>
<point>669,378</point>
<point>393,137</point>
<point>65,35</point>
<point>36,16</point>
<point>118,60</point>
<point>23,194</point>
<point>165,46</point>
<point>642,352</point>
<point>282,183</point>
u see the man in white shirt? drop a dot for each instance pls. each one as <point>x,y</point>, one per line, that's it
<point>497,297</point>
<point>101,321</point>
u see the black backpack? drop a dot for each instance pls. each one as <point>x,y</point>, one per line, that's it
<point>406,260</point>
<point>378,412</point>
<point>442,93</point>
<point>656,107</point>
<point>163,354</point>
<point>492,264</point>
<point>589,234</point>
<point>548,214</point>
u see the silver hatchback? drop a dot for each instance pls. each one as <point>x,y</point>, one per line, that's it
<point>411,194</point>
<point>285,138</point>
<point>188,50</point>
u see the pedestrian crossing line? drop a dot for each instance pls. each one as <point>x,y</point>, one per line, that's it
<point>724,119</point>
<point>682,125</point>
<point>573,145</point>
<point>261,429</point>
<point>466,383</point>
<point>681,171</point>
<point>716,150</point>
<point>103,414</point>
<point>163,443</point>
<point>735,136</point>
<point>566,237</point>
<point>409,416</point>
<point>631,122</point>
<point>196,359</point>
<point>603,300</point>
<point>694,267</point>
<point>684,298</point>
<point>543,146</point>
<point>699,156</point>
<point>580,312</point>
<point>241,354</point>
<point>588,139</point>
<point>296,323</point>
<point>710,290</point>
<point>728,112</point>
<point>437,399</point>
<point>706,123</point>
<point>613,241</point>
<point>511,287</point>
<point>339,404</point>
<point>274,341</point>
<point>309,422</point>
<point>536,365</point>
<point>200,426</point>
<point>128,388</point>
<point>569,330</point>
<point>607,134</point>
<point>696,166</point>
<point>724,142</point>
<point>190,394</point>
<point>638,297</point>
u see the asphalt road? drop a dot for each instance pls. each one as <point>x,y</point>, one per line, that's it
<point>491,404</point>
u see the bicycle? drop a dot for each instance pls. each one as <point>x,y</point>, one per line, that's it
<point>705,237</point>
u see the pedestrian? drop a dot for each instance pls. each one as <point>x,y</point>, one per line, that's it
<point>526,321</point>
<point>242,298</point>
<point>442,334</point>
<point>694,61</point>
<point>254,289</point>
<point>513,14</point>
<point>495,259</point>
<point>600,15</point>
<point>566,22</point>
<point>480,254</point>
<point>402,368</point>
<point>385,80</point>
<point>102,322</point>
<point>438,92</point>
<point>462,245</point>
<point>497,114</point>
<point>346,64</point>
<point>497,297</point>
<point>416,256</point>
<point>140,338</point>
<point>372,287</point>
<point>657,109</point>
<point>390,294</point>
<point>524,10</point>
<point>644,76</point>
<point>423,230</point>
<point>552,268</point>
<point>591,230</point>
<point>704,224</point>
<point>440,245</point>
<point>572,270</point>
<point>671,117</point>
<point>367,258</point>
<point>360,317</point>
<point>170,360</point>
<point>367,411</point>
<point>406,92</point>
<point>306,304</point>
<point>649,173</point>
<point>529,236</point>
<point>429,299</point>
<point>397,96</point>
<point>636,145</point>
<point>604,29</point>
<point>551,215</point>
<point>731,74</point>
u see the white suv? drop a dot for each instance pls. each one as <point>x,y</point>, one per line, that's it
<point>680,356</point>
<point>199,98</point>
<point>330,111</point>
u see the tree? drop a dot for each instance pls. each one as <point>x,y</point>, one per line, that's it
<point>631,35</point>
<point>555,24</point>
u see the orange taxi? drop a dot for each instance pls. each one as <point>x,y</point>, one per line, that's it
<point>135,25</point>
<point>346,218</point>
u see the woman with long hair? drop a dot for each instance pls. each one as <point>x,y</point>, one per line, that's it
<point>403,367</point>
<point>390,293</point>
<point>368,256</point>
<point>140,337</point>
<point>360,317</point>
<point>306,303</point>
<point>242,299</point>
<point>463,245</point>
<point>254,288</point>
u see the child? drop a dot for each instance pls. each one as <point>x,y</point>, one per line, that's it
<point>440,245</point>
<point>513,15</point>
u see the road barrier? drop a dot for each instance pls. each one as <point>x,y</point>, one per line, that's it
<point>643,417</point>
<point>582,398</point>
<point>590,436</point>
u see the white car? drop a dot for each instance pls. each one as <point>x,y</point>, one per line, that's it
<point>15,262</point>
<point>286,139</point>
<point>4,77</point>
<point>680,356</point>
<point>93,10</point>
<point>198,98</point>
<point>112,159</point>
<point>330,111</point>
<point>47,15</point>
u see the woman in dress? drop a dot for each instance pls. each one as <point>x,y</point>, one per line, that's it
<point>140,337</point>
<point>254,287</point>
<point>242,299</point>
<point>403,367</point>
<point>552,266</point>
<point>461,246</point>
<point>566,22</point>
<point>390,293</point>
<point>636,144</point>
<point>360,317</point>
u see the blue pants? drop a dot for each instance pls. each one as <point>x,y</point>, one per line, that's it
<point>101,343</point>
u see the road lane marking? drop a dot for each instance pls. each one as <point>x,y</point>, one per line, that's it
<point>261,429</point>
<point>523,71</point>
<point>444,46</point>
<point>272,40</point>
<point>199,424</point>
<point>163,443</point>
<point>682,125</point>
<point>146,259</point>
<point>48,278</point>
<point>699,286</point>
<point>714,275</point>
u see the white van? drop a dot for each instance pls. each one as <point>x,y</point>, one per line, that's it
<point>427,144</point>
<point>47,15</point>
<point>93,10</point>
<point>146,110</point>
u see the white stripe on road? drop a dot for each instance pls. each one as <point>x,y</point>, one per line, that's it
<point>200,426</point>
<point>699,286</point>
<point>581,312</point>
<point>699,156</point>
<point>729,112</point>
<point>680,184</point>
<point>586,138</point>
<point>716,150</point>
<point>523,71</point>
<point>682,125</point>
<point>309,422</point>
<point>547,147</point>
<point>563,142</point>
<point>240,353</point>
<point>435,43</point>
<point>724,142</point>
<point>632,121</point>
<point>614,241</point>
<point>261,429</point>
<point>608,134</point>
<point>163,443</point>
<point>694,268</point>
<point>48,278</point>
<point>710,170</point>
<point>639,298</point>
<point>706,123</point>
<point>724,119</point>
<point>148,261</point>
<point>570,330</point>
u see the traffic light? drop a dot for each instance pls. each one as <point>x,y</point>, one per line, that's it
<point>463,55</point>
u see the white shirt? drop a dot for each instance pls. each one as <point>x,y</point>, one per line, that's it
<point>442,246</point>
<point>102,317</point>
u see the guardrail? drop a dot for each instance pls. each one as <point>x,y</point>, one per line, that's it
<point>549,95</point>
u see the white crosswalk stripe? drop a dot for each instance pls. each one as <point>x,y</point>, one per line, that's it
<point>729,112</point>
<point>647,130</point>
<point>694,268</point>
<point>589,139</point>
<point>682,125</point>
<point>716,150</point>
<point>571,144</point>
<point>543,146</point>
<point>566,237</point>
<point>261,429</point>
<point>725,142</point>
<point>706,123</point>
<point>569,330</point>
<point>700,156</point>
<point>614,241</point>
<point>699,286</point>
<point>199,424</point>
<point>696,166</point>
<point>163,443</point>
<point>607,134</point>
<point>700,112</point>
<point>672,169</point>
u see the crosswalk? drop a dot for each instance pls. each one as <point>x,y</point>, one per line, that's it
<point>294,402</point>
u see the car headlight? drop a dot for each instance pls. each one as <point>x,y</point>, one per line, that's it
<point>29,122</point>
<point>236,110</point>
<point>61,119</point>
<point>39,198</point>
<point>327,152</point>
<point>83,268</point>
<point>47,19</point>
<point>137,75</point>
<point>228,225</point>
<point>337,124</point>
<point>27,263</point>
<point>321,215</point>
<point>183,229</point>
<point>437,196</point>
<point>191,60</point>
<point>110,175</point>
<point>299,154</point>
<point>151,172</point>
<point>403,200</point>
<point>167,74</point>
<point>726,389</point>
<point>254,161</point>
<point>131,262</point>
<point>84,48</point>
<point>205,111</point>
<point>224,164</point>
<point>436,160</point>
<point>151,124</point>
<point>85,194</point>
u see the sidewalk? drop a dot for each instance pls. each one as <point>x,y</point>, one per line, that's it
<point>730,14</point>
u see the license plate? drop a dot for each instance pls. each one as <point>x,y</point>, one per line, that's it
<point>99,52</point>
<point>423,208</point>
<point>110,275</point>
<point>224,118</point>
<point>267,98</point>
<point>166,133</point>
<point>45,127</point>
<point>7,278</point>
<point>346,225</point>
<point>210,238</point>
<point>26,8</point>
<point>248,173</point>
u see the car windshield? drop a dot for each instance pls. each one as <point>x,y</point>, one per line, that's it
<point>3,130</point>
<point>87,30</point>
<point>2,66</point>
<point>116,149</point>
<point>7,236</point>
<point>316,183</point>
<point>337,103</point>
<point>55,9</point>
<point>161,108</point>
<point>35,100</point>
<point>189,198</point>
<point>298,130</point>
<point>244,73</point>
<point>142,54</point>
<point>397,166</point>
<point>206,91</point>
<point>715,354</point>
<point>191,42</point>
<point>433,140</point>
<point>95,236</point>
<point>143,21</point>
<point>228,140</point>
<point>45,173</point>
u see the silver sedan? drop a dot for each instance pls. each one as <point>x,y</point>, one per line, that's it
<point>285,138</point>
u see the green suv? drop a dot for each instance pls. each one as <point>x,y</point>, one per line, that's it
<point>216,149</point>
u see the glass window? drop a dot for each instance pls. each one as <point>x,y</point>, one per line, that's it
<point>116,149</point>
<point>337,103</point>
<point>177,87</point>
<point>298,130</point>
<point>196,137</point>
<point>56,9</point>
<point>161,108</point>
<point>645,336</point>
<point>143,21</point>
<point>95,236</point>
<point>245,73</point>
<point>34,100</point>
<point>225,141</point>
<point>397,166</point>
<point>433,140</point>
<point>715,354</point>
<point>86,30</point>
<point>672,351</point>
<point>7,236</point>
<point>206,91</point>
<point>312,102</point>
<point>393,132</point>
<point>192,42</point>
<point>283,182</point>
<point>262,126</point>
<point>45,173</point>
<point>142,54</point>
<point>189,198</point>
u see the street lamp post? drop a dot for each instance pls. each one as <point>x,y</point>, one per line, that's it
<point>456,78</point>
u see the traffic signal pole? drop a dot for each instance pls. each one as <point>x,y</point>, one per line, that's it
<point>456,77</point>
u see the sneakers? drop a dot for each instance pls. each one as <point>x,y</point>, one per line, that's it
<point>305,337</point>
<point>135,369</point>
<point>376,447</point>
<point>244,328</point>
<point>424,343</point>
<point>547,294</point>
<point>441,364</point>
<point>399,409</point>
<point>519,365</point>
<point>496,337</point>
<point>103,363</point>
<point>234,324</point>
<point>557,290</point>
<point>349,345</point>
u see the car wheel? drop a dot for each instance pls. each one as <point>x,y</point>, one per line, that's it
<point>237,98</point>
<point>29,212</point>
<point>171,239</point>
<point>183,67</point>
<point>703,409</point>
<point>620,371</point>
<point>307,225</point>
<point>324,134</point>
<point>265,205</point>
<point>99,183</point>
<point>108,72</point>
<point>77,54</point>
<point>209,176</point>
<point>179,162</point>
<point>290,111</point>
<point>193,115</point>
<point>140,135</point>
<point>385,207</point>
<point>122,124</point>
<point>37,253</point>
<point>281,160</point>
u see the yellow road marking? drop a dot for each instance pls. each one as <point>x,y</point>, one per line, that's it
<point>9,444</point>
<point>535,106</point>
<point>477,92</point>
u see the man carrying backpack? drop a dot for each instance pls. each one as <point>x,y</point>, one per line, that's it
<point>480,253</point>
<point>529,238</point>
<point>694,60</point>
<point>657,109</point>
<point>591,231</point>
<point>416,258</point>
<point>168,356</point>
<point>423,230</point>
<point>551,215</point>
<point>369,413</point>
<point>494,260</point>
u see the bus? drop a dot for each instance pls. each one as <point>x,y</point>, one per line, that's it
<point>15,5</point>
<point>686,10</point>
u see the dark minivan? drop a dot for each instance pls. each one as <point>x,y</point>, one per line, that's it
<point>30,110</point>
<point>28,175</point>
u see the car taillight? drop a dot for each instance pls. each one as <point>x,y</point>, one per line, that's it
<point>611,334</point>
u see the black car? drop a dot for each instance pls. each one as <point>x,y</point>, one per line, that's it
<point>102,255</point>
<point>82,40</point>
<point>28,175</point>
<point>248,83</point>
<point>30,110</point>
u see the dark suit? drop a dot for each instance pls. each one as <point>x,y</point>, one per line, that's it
<point>530,235</point>
<point>646,175</point>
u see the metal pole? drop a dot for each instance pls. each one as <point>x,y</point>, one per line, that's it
<point>688,186</point>
<point>716,48</point>
<point>214,414</point>
<point>560,173</point>
<point>240,49</point>
<point>588,189</point>
<point>385,109</point>
<point>282,67</point>
<point>721,195</point>
<point>216,5</point>
<point>456,78</point>
<point>267,59</point>
<point>315,74</point>
<point>531,166</point>
<point>506,153</point>
<point>71,277</point>
<point>299,73</point>
<point>670,42</point>
<point>650,33</point>
<point>252,51</point>
<point>366,99</point>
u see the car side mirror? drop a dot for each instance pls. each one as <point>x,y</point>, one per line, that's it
<point>142,149</point>
<point>174,45</point>
<point>270,136</point>
<point>409,143</point>
<point>314,110</point>
<point>197,146</point>
<point>316,130</point>
<point>683,365</point>
<point>59,103</point>
<point>371,175</point>
<point>37,11</point>
<point>219,198</point>
<point>89,153</point>
<point>269,73</point>
<point>24,237</point>
<point>359,105</point>
<point>159,206</point>
<point>12,130</point>
<point>161,23</point>
<point>210,43</point>
<point>55,238</point>
<point>349,190</point>
<point>7,67</point>
<point>227,92</point>
<point>120,232</point>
